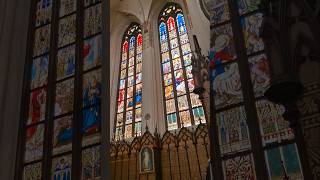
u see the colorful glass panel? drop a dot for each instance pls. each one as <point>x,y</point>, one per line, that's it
<point>92,87</point>
<point>91,120</point>
<point>219,11</point>
<point>90,2</point>
<point>273,127</point>
<point>67,7</point>
<point>246,6</point>
<point>37,106</point>
<point>67,30</point>
<point>226,85</point>
<point>239,168</point>
<point>260,74</point>
<point>93,20</point>
<point>251,29</point>
<point>91,163</point>
<point>233,130</point>
<point>61,168</point>
<point>64,97</point>
<point>39,71</point>
<point>34,143</point>
<point>42,40</point>
<point>44,11</point>
<point>223,49</point>
<point>32,171</point>
<point>92,52</point>
<point>62,135</point>
<point>66,62</point>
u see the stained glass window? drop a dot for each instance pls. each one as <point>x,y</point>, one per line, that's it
<point>129,99</point>
<point>182,107</point>
<point>235,118</point>
<point>63,90</point>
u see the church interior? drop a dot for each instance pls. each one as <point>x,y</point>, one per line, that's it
<point>160,89</point>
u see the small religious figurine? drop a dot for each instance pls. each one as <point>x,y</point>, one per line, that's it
<point>146,160</point>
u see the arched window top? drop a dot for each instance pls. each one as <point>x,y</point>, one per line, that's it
<point>128,109</point>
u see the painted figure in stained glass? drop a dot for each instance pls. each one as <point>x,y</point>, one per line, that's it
<point>42,40</point>
<point>91,120</point>
<point>39,71</point>
<point>92,88</point>
<point>260,74</point>
<point>251,26</point>
<point>91,164</point>
<point>44,10</point>
<point>226,85</point>
<point>37,106</point>
<point>92,52</point>
<point>63,133</point>
<point>223,46</point>
<point>64,97</point>
<point>66,62</point>
<point>90,2</point>
<point>34,143</point>
<point>61,168</point>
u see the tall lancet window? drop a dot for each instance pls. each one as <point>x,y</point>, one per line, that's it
<point>182,107</point>
<point>128,110</point>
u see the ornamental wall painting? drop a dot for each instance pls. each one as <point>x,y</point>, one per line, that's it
<point>37,106</point>
<point>67,7</point>
<point>146,160</point>
<point>66,62</point>
<point>233,130</point>
<point>92,20</point>
<point>226,85</point>
<point>92,52</point>
<point>61,168</point>
<point>273,127</point>
<point>91,120</point>
<point>251,29</point>
<point>67,30</point>
<point>219,11</point>
<point>260,74</point>
<point>223,48</point>
<point>42,40</point>
<point>283,159</point>
<point>92,87</point>
<point>34,143</point>
<point>91,164</point>
<point>32,171</point>
<point>64,97</point>
<point>90,2</point>
<point>62,135</point>
<point>44,10</point>
<point>246,6</point>
<point>39,71</point>
<point>241,167</point>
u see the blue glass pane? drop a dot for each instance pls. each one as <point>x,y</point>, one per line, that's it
<point>291,159</point>
<point>181,24</point>
<point>91,120</point>
<point>163,32</point>
<point>274,161</point>
<point>132,42</point>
